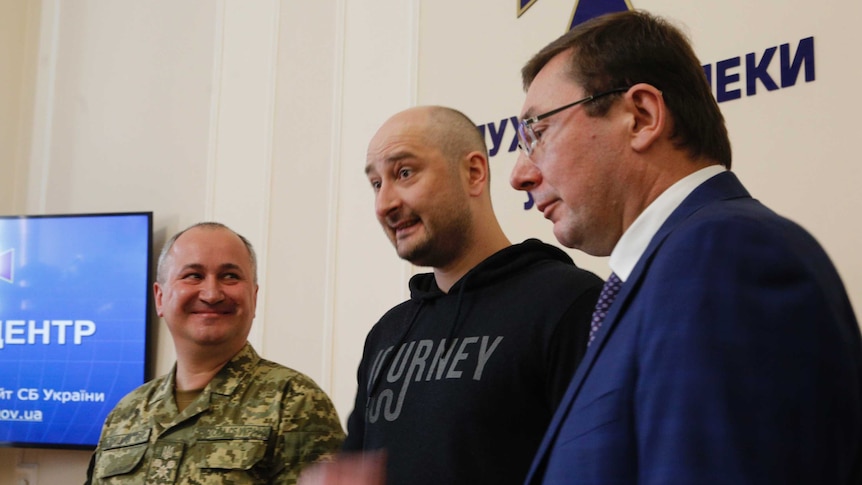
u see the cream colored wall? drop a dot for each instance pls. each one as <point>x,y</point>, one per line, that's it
<point>19,29</point>
<point>257,114</point>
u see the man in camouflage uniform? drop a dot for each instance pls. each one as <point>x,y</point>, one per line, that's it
<point>222,415</point>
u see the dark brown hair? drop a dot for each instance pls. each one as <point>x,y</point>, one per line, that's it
<point>621,49</point>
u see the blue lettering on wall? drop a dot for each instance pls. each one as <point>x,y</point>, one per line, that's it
<point>804,54</point>
<point>727,72</point>
<point>755,71</point>
<point>725,77</point>
<point>497,135</point>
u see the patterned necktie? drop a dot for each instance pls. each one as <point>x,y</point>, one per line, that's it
<point>606,297</point>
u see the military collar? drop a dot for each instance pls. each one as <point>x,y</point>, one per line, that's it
<point>236,371</point>
<point>224,382</point>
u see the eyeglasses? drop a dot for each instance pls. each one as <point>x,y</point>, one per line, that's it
<point>527,138</point>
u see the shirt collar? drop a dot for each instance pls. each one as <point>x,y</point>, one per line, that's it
<point>637,237</point>
<point>224,382</point>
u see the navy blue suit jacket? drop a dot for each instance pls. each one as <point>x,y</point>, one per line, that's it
<point>730,356</point>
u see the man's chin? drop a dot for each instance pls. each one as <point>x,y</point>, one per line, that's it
<point>211,336</point>
<point>416,255</point>
<point>407,254</point>
<point>565,236</point>
<point>215,342</point>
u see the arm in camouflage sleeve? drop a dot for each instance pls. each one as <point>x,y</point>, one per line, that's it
<point>89,479</point>
<point>310,429</point>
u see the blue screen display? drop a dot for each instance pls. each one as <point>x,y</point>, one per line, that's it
<point>74,309</point>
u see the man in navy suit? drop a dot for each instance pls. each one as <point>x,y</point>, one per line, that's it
<point>731,353</point>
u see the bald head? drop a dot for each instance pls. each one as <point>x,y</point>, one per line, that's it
<point>453,132</point>
<point>446,129</point>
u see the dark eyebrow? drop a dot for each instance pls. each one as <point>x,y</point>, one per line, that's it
<point>392,158</point>
<point>527,114</point>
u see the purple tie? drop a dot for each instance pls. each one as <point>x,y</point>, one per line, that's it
<point>606,297</point>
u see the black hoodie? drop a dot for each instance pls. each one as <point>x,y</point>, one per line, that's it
<point>459,387</point>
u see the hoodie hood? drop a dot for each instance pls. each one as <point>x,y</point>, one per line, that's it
<point>499,265</point>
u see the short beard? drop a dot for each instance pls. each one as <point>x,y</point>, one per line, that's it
<point>440,249</point>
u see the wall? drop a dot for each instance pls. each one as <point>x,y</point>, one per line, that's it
<point>19,29</point>
<point>257,114</point>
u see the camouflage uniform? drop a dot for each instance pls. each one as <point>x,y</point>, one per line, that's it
<point>256,422</point>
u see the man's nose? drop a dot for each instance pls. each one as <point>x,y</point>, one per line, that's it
<point>525,175</point>
<point>385,201</point>
<point>211,291</point>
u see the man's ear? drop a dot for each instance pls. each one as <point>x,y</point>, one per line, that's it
<point>477,173</point>
<point>254,301</point>
<point>157,293</point>
<point>649,115</point>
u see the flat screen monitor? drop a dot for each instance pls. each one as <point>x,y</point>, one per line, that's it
<point>74,312</point>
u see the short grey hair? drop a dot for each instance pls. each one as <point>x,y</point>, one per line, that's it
<point>163,256</point>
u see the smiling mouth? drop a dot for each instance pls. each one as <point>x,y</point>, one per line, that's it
<point>404,226</point>
<point>211,312</point>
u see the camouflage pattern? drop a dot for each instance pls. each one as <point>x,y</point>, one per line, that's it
<point>256,422</point>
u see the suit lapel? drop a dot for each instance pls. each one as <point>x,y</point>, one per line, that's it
<point>723,186</point>
<point>720,187</point>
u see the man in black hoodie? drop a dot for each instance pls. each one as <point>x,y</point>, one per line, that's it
<point>457,384</point>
